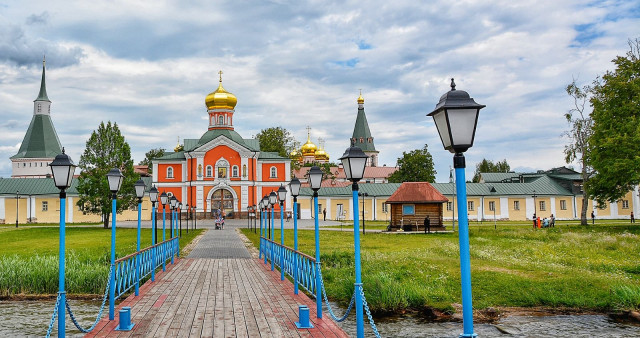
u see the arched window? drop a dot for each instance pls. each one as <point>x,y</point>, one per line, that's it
<point>222,167</point>
<point>169,172</point>
<point>39,107</point>
<point>244,170</point>
<point>274,172</point>
<point>221,119</point>
<point>234,171</point>
<point>209,171</point>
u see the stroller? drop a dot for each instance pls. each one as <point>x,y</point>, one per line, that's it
<point>219,223</point>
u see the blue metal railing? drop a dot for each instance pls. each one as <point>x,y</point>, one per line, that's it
<point>153,256</point>
<point>306,264</point>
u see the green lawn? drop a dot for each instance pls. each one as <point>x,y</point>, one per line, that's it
<point>594,267</point>
<point>29,257</point>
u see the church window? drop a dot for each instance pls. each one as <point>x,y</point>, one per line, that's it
<point>45,206</point>
<point>274,172</point>
<point>24,165</point>
<point>362,140</point>
<point>370,139</point>
<point>209,171</point>
<point>170,172</point>
<point>234,171</point>
<point>221,119</point>
<point>244,170</point>
<point>39,107</point>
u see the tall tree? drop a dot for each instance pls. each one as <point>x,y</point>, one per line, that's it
<point>276,139</point>
<point>487,166</point>
<point>414,166</point>
<point>106,149</point>
<point>615,144</point>
<point>581,129</point>
<point>151,155</point>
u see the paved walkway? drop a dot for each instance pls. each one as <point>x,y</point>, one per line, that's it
<point>219,290</point>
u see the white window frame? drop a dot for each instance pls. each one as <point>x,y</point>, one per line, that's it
<point>563,204</point>
<point>516,205</point>
<point>492,206</point>
<point>542,206</point>
<point>209,171</point>
<point>45,206</point>
<point>470,205</point>
<point>235,171</point>
<point>169,172</point>
<point>273,172</point>
<point>625,204</point>
<point>449,206</point>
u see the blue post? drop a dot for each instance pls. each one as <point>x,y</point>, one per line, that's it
<point>112,281</point>
<point>273,229</point>
<point>137,292</point>
<point>266,244</point>
<point>318,281</point>
<point>295,245</point>
<point>260,248</point>
<point>358,284</point>
<point>164,260</point>
<point>463,238</point>
<point>281,241</point>
<point>153,241</point>
<point>63,297</point>
<point>172,234</point>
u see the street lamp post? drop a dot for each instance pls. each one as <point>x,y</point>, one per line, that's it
<point>294,185</point>
<point>273,199</point>
<point>282,195</point>
<point>172,205</point>
<point>153,196</point>
<point>456,118</point>
<point>265,205</point>
<point>140,187</point>
<point>315,180</point>
<point>535,223</point>
<point>353,162</point>
<point>62,169</point>
<point>188,216</point>
<point>364,195</point>
<point>164,199</point>
<point>180,217</point>
<point>115,178</point>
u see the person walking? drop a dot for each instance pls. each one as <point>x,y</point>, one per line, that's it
<point>535,222</point>
<point>553,221</point>
<point>427,224</point>
<point>593,218</point>
<point>633,219</point>
<point>324,214</point>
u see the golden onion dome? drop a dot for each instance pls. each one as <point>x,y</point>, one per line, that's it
<point>309,148</point>
<point>321,154</point>
<point>220,98</point>
<point>360,98</point>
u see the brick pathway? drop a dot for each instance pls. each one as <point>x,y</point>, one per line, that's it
<point>218,291</point>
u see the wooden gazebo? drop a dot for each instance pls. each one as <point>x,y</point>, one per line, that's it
<point>411,204</point>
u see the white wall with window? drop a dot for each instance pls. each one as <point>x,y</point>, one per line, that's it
<point>169,172</point>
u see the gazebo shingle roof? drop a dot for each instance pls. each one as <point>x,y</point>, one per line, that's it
<point>417,192</point>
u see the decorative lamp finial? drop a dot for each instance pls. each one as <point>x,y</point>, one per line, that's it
<point>63,150</point>
<point>453,85</point>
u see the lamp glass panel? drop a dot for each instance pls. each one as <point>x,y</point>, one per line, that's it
<point>462,123</point>
<point>315,177</point>
<point>153,194</point>
<point>164,198</point>
<point>440,119</point>
<point>60,175</point>
<point>139,186</point>
<point>272,198</point>
<point>282,193</point>
<point>357,167</point>
<point>295,186</point>
<point>347,168</point>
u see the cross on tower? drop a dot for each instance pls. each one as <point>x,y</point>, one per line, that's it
<point>220,72</point>
<point>308,131</point>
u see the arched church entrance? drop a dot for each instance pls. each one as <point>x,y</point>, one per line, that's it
<point>222,199</point>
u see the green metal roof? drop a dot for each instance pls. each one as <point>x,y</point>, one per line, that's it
<point>190,143</point>
<point>268,155</point>
<point>171,156</point>
<point>42,95</point>
<point>542,186</point>
<point>230,134</point>
<point>41,139</point>
<point>43,186</point>
<point>498,177</point>
<point>373,189</point>
<point>361,130</point>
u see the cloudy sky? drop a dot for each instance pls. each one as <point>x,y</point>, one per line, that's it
<point>148,66</point>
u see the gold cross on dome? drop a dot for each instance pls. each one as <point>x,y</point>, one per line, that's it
<point>220,72</point>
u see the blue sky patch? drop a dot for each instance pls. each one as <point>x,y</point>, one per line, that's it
<point>362,45</point>
<point>347,63</point>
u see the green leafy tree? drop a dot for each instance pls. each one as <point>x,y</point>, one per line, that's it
<point>106,149</point>
<point>414,166</point>
<point>276,139</point>
<point>487,166</point>
<point>581,129</point>
<point>615,144</point>
<point>151,155</point>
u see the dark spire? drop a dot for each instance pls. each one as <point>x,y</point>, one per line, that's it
<point>42,96</point>
<point>361,134</point>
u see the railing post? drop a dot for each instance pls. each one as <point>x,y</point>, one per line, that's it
<point>153,242</point>
<point>295,245</point>
<point>318,281</point>
<point>273,228</point>
<point>137,292</point>
<point>112,280</point>
<point>260,246</point>
<point>264,238</point>
<point>63,297</point>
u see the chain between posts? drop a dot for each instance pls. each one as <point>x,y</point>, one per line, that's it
<point>104,301</point>
<point>366,307</point>
<point>324,292</point>
<point>54,315</point>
